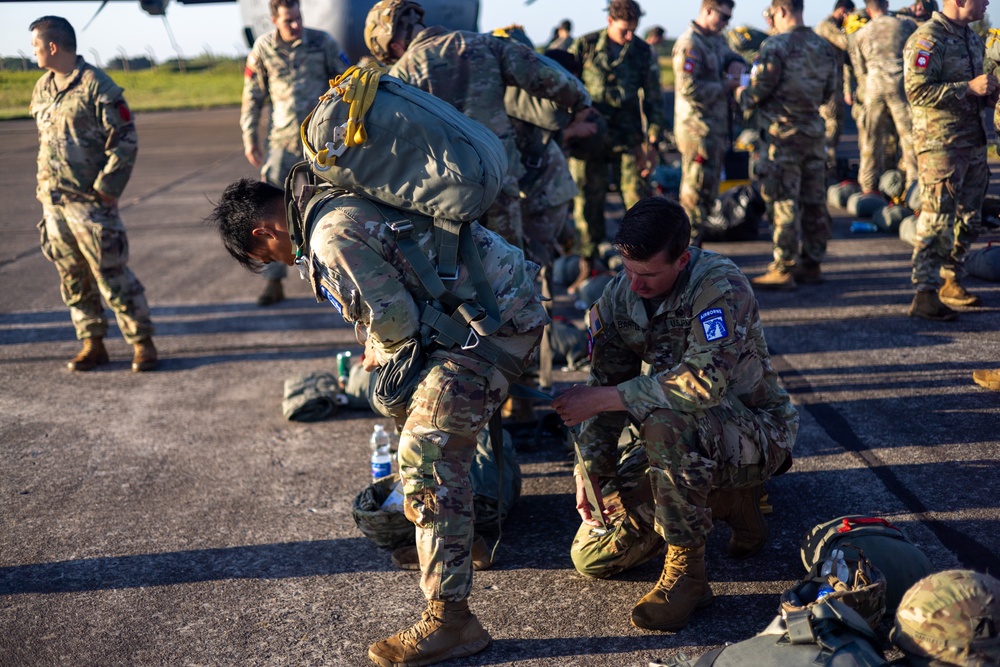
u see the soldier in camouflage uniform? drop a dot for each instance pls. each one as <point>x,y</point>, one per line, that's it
<point>919,11</point>
<point>797,72</point>
<point>712,417</point>
<point>87,145</point>
<point>352,259</point>
<point>291,66</point>
<point>878,58</point>
<point>706,72</point>
<point>948,94</point>
<point>832,30</point>
<point>616,66</point>
<point>470,71</point>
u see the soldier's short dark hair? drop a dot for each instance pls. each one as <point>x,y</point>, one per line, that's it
<point>794,6</point>
<point>844,4</point>
<point>653,225</point>
<point>881,4</point>
<point>712,4</point>
<point>244,204</point>
<point>625,10</point>
<point>566,25</point>
<point>57,30</point>
<point>274,4</point>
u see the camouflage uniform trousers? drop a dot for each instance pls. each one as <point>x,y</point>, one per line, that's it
<point>952,188</point>
<point>88,245</point>
<point>832,113</point>
<point>632,539</point>
<point>727,446</point>
<point>883,113</point>
<point>437,445</point>
<point>701,169</point>
<point>793,186</point>
<point>592,181</point>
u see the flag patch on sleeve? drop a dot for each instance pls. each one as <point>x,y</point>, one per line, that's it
<point>713,323</point>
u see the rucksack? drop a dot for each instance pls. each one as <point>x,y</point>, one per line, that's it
<point>885,545</point>
<point>830,634</point>
<point>736,215</point>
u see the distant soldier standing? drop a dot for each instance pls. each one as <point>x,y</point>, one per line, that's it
<point>832,30</point>
<point>879,58</point>
<point>471,71</point>
<point>87,148</point>
<point>795,75</point>
<point>616,67</point>
<point>706,72</point>
<point>291,66</point>
<point>948,94</point>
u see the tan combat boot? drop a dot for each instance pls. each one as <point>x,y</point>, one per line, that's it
<point>682,588</point>
<point>517,411</point>
<point>446,630</point>
<point>272,294</point>
<point>144,358</point>
<point>927,305</point>
<point>953,294</point>
<point>90,356</point>
<point>741,510</point>
<point>775,279</point>
<point>405,558</point>
<point>988,379</point>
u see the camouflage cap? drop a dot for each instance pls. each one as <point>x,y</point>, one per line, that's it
<point>950,618</point>
<point>385,19</point>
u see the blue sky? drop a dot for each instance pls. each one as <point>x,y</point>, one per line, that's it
<point>123,26</point>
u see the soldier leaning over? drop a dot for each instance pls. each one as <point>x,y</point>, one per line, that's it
<point>919,11</point>
<point>352,259</point>
<point>470,71</point>
<point>796,73</point>
<point>948,94</point>
<point>706,71</point>
<point>832,30</point>
<point>616,67</point>
<point>87,145</point>
<point>291,66</point>
<point>715,423</point>
<point>879,59</point>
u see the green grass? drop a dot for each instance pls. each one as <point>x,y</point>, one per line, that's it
<point>146,90</point>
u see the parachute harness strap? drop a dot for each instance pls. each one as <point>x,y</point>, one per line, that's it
<point>357,86</point>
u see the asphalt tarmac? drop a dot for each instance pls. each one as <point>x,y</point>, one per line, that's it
<point>176,518</point>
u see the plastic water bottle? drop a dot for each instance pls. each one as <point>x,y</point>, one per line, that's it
<point>843,573</point>
<point>823,591</point>
<point>381,459</point>
<point>827,566</point>
<point>862,227</point>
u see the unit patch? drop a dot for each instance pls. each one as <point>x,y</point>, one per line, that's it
<point>922,59</point>
<point>713,323</point>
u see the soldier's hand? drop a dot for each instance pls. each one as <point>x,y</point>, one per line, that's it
<point>848,99</point>
<point>582,504</point>
<point>369,361</point>
<point>254,156</point>
<point>580,402</point>
<point>983,85</point>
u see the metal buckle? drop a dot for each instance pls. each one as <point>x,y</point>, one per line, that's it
<point>454,276</point>
<point>336,148</point>
<point>401,228</point>
<point>533,163</point>
<point>472,335</point>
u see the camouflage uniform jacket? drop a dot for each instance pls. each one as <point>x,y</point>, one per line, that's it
<point>704,342</point>
<point>940,59</point>
<point>833,33</point>
<point>614,87</point>
<point>355,264</point>
<point>991,65</point>
<point>795,75</point>
<point>292,76</point>
<point>701,103</point>
<point>86,138</point>
<point>471,71</point>
<point>879,51</point>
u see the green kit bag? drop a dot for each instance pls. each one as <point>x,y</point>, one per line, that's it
<point>885,545</point>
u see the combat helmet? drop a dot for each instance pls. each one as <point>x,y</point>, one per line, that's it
<point>950,618</point>
<point>387,18</point>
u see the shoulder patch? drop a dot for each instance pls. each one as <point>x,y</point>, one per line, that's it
<point>713,323</point>
<point>594,326</point>
<point>251,67</point>
<point>123,111</point>
<point>691,59</point>
<point>926,43</point>
<point>922,59</point>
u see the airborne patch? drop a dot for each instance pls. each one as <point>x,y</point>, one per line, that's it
<point>713,323</point>
<point>922,60</point>
<point>690,60</point>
